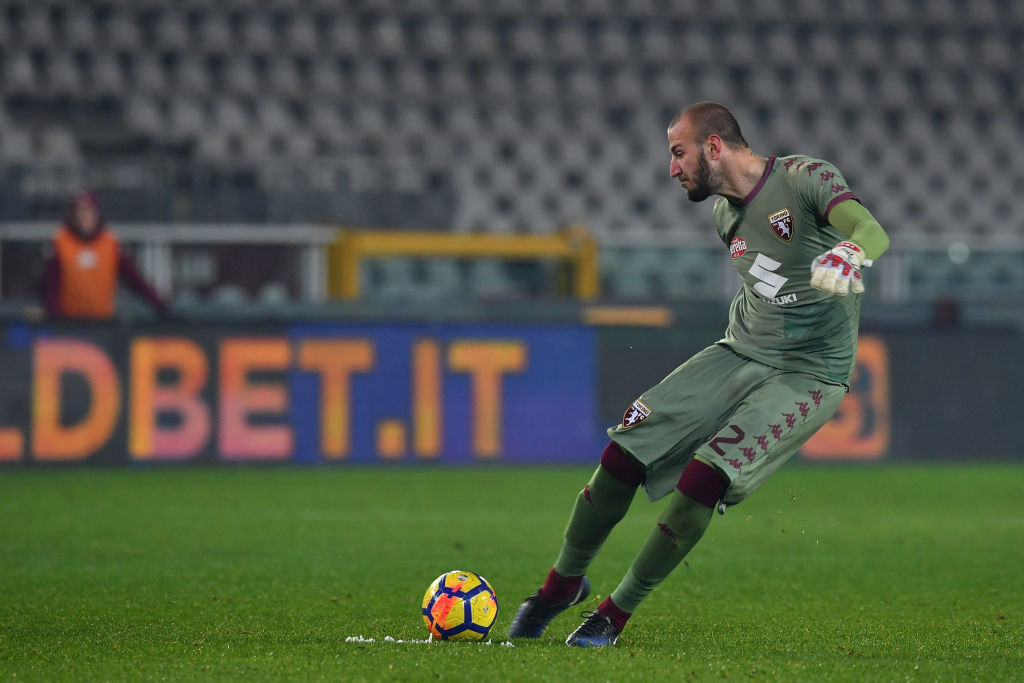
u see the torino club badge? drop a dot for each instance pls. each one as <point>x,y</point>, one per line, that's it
<point>637,413</point>
<point>782,224</point>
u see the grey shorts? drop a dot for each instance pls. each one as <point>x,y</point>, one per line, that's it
<point>739,415</point>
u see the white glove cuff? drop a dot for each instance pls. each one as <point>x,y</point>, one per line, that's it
<point>852,253</point>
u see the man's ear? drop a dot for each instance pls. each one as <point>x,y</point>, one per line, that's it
<point>713,147</point>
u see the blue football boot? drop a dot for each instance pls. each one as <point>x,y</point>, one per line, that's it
<point>597,630</point>
<point>534,615</point>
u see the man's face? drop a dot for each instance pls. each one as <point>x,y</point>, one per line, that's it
<point>87,217</point>
<point>689,164</point>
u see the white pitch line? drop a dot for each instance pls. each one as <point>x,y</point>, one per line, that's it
<point>426,641</point>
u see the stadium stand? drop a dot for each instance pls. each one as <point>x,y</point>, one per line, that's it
<point>535,113</point>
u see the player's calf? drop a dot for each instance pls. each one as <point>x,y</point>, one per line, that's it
<point>599,507</point>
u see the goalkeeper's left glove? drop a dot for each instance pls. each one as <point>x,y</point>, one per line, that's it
<point>837,271</point>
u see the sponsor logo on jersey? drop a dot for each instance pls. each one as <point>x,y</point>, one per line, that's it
<point>781,300</point>
<point>769,283</point>
<point>782,224</point>
<point>738,247</point>
<point>637,413</point>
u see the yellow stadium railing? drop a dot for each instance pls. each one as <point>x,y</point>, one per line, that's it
<point>572,244</point>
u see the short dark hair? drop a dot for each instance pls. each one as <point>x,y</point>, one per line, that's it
<point>711,118</point>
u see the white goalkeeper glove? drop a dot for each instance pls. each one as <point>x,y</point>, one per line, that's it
<point>837,271</point>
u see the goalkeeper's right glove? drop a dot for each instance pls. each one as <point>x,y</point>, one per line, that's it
<point>837,271</point>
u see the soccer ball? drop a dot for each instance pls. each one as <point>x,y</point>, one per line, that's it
<point>460,605</point>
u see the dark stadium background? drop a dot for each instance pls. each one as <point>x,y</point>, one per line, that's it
<point>420,254</point>
<point>234,145</point>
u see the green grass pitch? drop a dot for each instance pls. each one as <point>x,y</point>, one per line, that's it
<point>826,573</point>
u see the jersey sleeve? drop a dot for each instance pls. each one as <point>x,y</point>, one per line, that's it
<point>716,216</point>
<point>820,184</point>
<point>857,223</point>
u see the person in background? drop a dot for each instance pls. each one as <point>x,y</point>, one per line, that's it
<point>87,264</point>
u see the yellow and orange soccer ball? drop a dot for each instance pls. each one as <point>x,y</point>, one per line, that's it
<point>460,605</point>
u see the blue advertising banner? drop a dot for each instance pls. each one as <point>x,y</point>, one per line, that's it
<point>452,393</point>
<point>329,392</point>
<point>306,393</point>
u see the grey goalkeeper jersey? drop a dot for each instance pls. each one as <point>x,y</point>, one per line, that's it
<point>773,235</point>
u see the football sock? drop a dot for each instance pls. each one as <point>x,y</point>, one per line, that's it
<point>559,588</point>
<point>678,529</point>
<point>618,615</point>
<point>599,507</point>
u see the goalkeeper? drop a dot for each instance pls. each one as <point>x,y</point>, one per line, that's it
<point>715,428</point>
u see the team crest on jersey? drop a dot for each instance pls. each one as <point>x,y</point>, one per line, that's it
<point>782,224</point>
<point>637,413</point>
<point>738,247</point>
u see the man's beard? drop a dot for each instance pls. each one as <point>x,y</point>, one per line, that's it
<point>705,183</point>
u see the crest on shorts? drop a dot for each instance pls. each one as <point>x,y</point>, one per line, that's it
<point>782,224</point>
<point>635,414</point>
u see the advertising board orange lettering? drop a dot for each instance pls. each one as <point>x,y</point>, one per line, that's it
<point>487,362</point>
<point>149,398</point>
<point>860,428</point>
<point>52,359</point>
<point>241,398</point>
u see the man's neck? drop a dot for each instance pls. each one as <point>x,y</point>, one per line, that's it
<point>743,176</point>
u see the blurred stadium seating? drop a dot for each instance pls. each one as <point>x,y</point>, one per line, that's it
<point>508,115</point>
